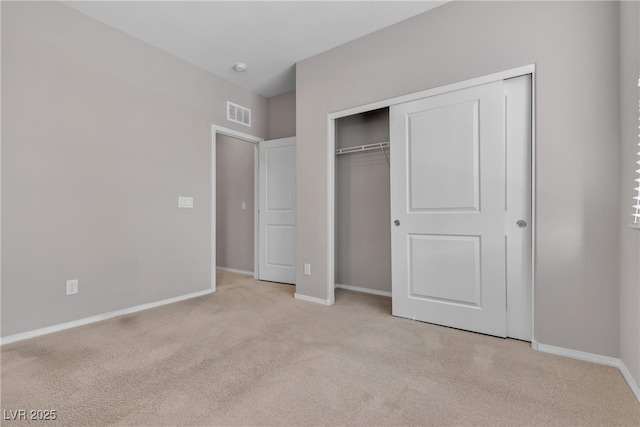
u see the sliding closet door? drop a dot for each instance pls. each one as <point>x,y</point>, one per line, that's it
<point>448,209</point>
<point>519,213</point>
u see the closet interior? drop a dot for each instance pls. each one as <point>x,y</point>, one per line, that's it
<point>363,208</point>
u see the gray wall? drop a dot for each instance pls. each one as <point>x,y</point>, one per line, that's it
<point>234,185</point>
<point>575,48</point>
<point>629,239</point>
<point>282,116</point>
<point>363,210</point>
<point>100,135</point>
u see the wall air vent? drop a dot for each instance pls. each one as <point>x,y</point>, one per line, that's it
<point>238,114</point>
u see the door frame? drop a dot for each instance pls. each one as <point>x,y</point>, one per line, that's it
<point>219,130</point>
<point>331,145</point>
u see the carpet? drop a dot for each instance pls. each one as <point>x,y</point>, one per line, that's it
<point>251,354</point>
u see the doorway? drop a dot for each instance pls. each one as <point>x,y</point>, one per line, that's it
<point>267,201</point>
<point>235,205</point>
<point>235,143</point>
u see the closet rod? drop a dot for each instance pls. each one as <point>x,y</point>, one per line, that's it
<point>359,148</point>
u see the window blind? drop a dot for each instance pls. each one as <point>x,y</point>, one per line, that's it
<point>636,205</point>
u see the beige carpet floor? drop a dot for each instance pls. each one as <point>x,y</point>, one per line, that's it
<point>251,354</point>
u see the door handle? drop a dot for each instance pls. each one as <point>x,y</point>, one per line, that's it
<point>396,223</point>
<point>521,223</point>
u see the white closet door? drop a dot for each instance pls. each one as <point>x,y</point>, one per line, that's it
<point>277,210</point>
<point>448,207</point>
<point>518,222</point>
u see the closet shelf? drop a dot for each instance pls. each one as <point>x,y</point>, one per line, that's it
<point>359,148</point>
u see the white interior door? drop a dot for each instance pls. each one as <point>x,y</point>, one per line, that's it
<point>277,215</point>
<point>448,206</point>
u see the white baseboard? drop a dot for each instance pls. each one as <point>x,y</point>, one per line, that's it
<point>576,354</point>
<point>312,299</point>
<point>594,358</point>
<point>363,290</point>
<point>234,270</point>
<point>635,388</point>
<point>87,320</point>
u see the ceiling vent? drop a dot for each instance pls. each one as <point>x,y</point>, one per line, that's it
<point>238,114</point>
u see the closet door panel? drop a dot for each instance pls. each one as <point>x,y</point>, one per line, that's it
<point>448,208</point>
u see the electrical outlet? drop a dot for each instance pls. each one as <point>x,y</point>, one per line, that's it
<point>185,202</point>
<point>72,287</point>
<point>307,269</point>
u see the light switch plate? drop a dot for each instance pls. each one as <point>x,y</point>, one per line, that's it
<point>185,202</point>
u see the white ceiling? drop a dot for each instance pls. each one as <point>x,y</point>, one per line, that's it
<point>269,36</point>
